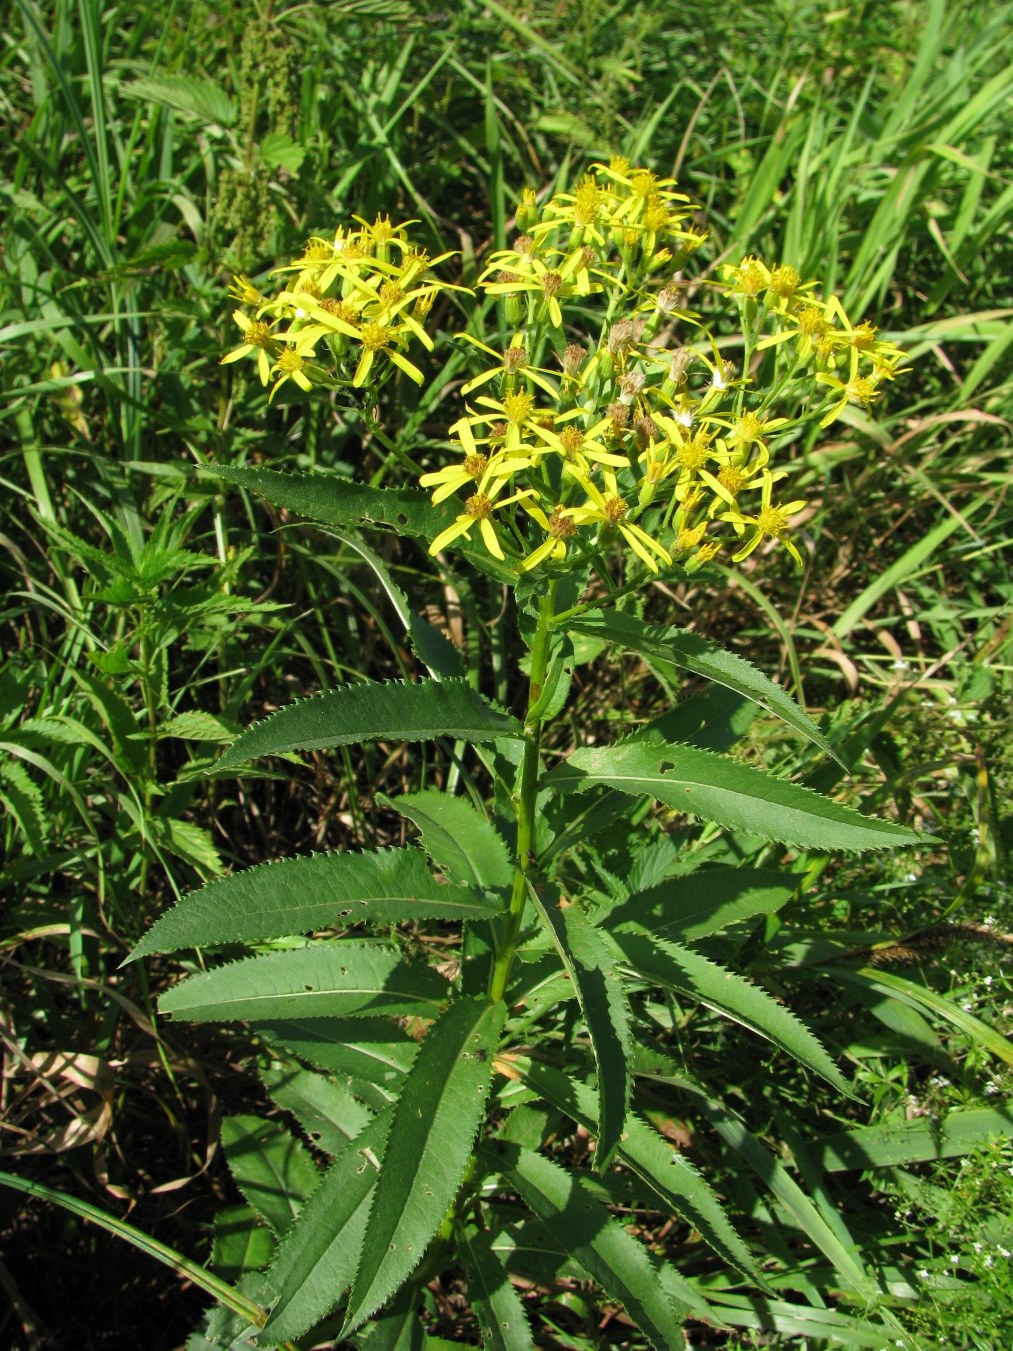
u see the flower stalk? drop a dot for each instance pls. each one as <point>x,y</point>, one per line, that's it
<point>526,797</point>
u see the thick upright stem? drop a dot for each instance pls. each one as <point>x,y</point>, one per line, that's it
<point>527,794</point>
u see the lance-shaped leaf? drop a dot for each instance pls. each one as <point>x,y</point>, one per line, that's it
<point>501,1316</point>
<point>361,1051</point>
<point>704,902</point>
<point>671,1176</point>
<point>691,652</point>
<point>582,1226</point>
<point>316,1260</point>
<point>733,795</point>
<point>339,501</point>
<point>270,1166</point>
<point>374,711</point>
<point>591,965</point>
<point>399,1327</point>
<point>324,980</point>
<point>435,1122</point>
<point>301,895</point>
<point>327,1111</point>
<point>457,837</point>
<point>681,969</point>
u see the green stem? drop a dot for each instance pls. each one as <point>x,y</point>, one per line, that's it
<point>526,797</point>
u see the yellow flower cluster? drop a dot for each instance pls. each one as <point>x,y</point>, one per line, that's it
<point>611,413</point>
<point>362,297</point>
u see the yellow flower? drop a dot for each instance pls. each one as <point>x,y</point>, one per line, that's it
<point>513,361</point>
<point>609,509</point>
<point>243,290</point>
<point>579,448</point>
<point>259,341</point>
<point>478,511</point>
<point>476,465</point>
<point>770,522</point>
<point>290,366</point>
<point>559,528</point>
<point>860,389</point>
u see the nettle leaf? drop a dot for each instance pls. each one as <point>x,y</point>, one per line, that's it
<point>302,895</point>
<point>681,969</point>
<point>341,501</point>
<point>592,967</point>
<point>691,652</point>
<point>316,1260</point>
<point>671,1176</point>
<point>457,837</point>
<point>273,1170</point>
<point>325,1109</point>
<point>435,1122</point>
<point>704,902</point>
<point>583,1227</point>
<point>323,980</point>
<point>373,711</point>
<point>732,795</point>
<point>501,1316</point>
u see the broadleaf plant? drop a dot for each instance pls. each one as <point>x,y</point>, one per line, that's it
<point>536,962</point>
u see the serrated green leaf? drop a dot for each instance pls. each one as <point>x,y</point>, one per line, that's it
<point>325,1109</point>
<point>323,980</point>
<point>339,501</point>
<point>371,711</point>
<point>360,1050</point>
<point>195,726</point>
<point>281,152</point>
<point>704,902</point>
<point>611,1257</point>
<point>272,1169</point>
<point>501,1317</point>
<point>242,1242</point>
<point>685,971</point>
<point>435,1122</point>
<point>691,652</point>
<point>458,838</point>
<point>23,798</point>
<point>398,1328</point>
<point>187,94</point>
<point>592,967</point>
<point>316,1260</point>
<point>732,795</point>
<point>671,1176</point>
<point>302,895</point>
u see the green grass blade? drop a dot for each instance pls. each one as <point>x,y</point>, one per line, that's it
<point>201,1277</point>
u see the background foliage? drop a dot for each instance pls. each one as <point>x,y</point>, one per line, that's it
<point>148,612</point>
